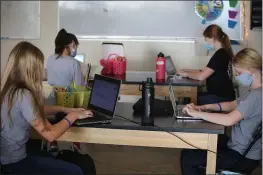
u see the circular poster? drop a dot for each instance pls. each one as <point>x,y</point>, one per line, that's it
<point>208,10</point>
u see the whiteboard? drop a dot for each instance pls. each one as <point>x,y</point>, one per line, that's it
<point>139,19</point>
<point>20,19</point>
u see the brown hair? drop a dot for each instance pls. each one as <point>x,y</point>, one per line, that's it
<point>24,73</point>
<point>216,32</point>
<point>248,58</point>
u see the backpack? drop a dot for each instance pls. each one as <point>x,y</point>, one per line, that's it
<point>84,161</point>
<point>161,108</point>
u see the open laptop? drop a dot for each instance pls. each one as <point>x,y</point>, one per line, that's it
<point>170,68</point>
<point>103,99</point>
<point>178,109</point>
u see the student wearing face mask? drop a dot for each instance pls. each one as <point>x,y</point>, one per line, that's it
<point>62,69</point>
<point>218,72</point>
<point>243,114</point>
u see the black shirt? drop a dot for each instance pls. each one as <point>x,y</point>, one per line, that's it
<point>220,82</point>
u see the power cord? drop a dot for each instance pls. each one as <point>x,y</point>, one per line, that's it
<point>175,136</point>
<point>258,135</point>
<point>138,123</point>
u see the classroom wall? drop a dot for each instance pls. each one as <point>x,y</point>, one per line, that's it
<point>140,55</point>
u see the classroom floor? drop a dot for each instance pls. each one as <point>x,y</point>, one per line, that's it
<point>113,159</point>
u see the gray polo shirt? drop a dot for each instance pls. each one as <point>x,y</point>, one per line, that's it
<point>250,107</point>
<point>14,135</point>
<point>62,71</point>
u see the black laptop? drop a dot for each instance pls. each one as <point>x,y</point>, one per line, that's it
<point>103,99</point>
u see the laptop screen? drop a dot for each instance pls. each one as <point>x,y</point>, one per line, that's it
<point>104,95</point>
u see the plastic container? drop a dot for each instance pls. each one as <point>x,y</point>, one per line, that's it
<point>77,99</point>
<point>119,67</point>
<point>114,65</point>
<point>107,67</point>
<point>81,97</point>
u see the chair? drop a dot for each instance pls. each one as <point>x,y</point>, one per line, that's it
<point>257,135</point>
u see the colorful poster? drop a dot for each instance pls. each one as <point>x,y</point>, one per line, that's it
<point>232,13</point>
<point>208,10</point>
<point>233,3</point>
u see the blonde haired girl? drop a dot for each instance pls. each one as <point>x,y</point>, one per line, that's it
<point>243,114</point>
<point>22,107</point>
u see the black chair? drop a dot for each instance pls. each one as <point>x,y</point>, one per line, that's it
<point>257,135</point>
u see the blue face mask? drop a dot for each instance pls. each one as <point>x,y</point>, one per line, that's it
<point>209,47</point>
<point>245,79</point>
<point>73,52</point>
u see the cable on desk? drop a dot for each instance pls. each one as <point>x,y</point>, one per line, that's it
<point>176,137</point>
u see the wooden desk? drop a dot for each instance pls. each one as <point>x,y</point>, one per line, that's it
<point>123,132</point>
<point>182,87</point>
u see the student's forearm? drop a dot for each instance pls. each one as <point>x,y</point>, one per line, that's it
<point>226,106</point>
<point>56,130</point>
<point>221,119</point>
<point>191,70</point>
<point>51,110</point>
<point>194,75</point>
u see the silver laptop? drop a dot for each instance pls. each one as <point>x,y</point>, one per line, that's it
<point>170,69</point>
<point>169,66</point>
<point>103,99</point>
<point>178,109</point>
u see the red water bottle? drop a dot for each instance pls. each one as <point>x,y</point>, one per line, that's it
<point>160,67</point>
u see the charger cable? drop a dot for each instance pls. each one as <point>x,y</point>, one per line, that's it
<point>160,128</point>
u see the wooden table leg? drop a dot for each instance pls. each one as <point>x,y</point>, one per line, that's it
<point>211,157</point>
<point>194,95</point>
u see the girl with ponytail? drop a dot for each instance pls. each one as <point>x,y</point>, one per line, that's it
<point>62,69</point>
<point>218,72</point>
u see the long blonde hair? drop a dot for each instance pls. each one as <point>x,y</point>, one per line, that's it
<point>248,58</point>
<point>24,71</point>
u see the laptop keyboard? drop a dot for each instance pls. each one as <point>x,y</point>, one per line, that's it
<point>97,118</point>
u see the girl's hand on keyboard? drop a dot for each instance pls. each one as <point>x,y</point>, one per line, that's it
<point>84,114</point>
<point>69,110</point>
<point>192,106</point>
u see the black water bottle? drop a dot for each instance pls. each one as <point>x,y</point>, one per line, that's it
<point>148,102</point>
